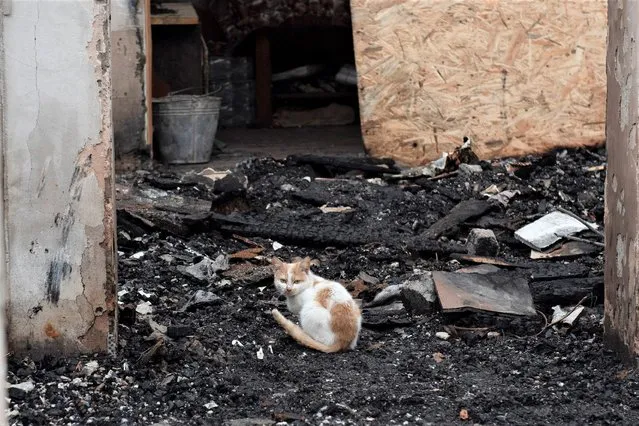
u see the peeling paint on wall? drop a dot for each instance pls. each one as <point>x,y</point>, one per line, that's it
<point>622,191</point>
<point>62,254</point>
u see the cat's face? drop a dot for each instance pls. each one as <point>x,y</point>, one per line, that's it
<point>291,278</point>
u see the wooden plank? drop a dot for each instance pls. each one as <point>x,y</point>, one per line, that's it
<point>621,322</point>
<point>182,14</point>
<point>263,73</point>
<point>515,76</point>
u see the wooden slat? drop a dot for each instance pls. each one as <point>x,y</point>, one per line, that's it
<point>184,15</point>
<point>263,73</point>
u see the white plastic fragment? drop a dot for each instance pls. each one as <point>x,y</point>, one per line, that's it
<point>549,229</point>
<point>27,386</point>
<point>237,343</point>
<point>260,353</point>
<point>145,294</point>
<point>493,334</point>
<point>144,308</point>
<point>90,368</point>
<point>277,246</point>
<point>442,335</point>
<point>566,315</point>
<point>210,405</point>
<point>138,255</point>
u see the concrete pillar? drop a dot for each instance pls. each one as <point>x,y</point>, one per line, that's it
<point>129,75</point>
<point>4,284</point>
<point>622,196</point>
<point>58,168</point>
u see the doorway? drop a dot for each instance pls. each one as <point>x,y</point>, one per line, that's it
<point>286,77</point>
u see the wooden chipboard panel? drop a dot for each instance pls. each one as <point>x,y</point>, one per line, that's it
<point>517,77</point>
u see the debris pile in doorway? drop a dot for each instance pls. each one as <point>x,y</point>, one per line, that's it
<point>457,294</point>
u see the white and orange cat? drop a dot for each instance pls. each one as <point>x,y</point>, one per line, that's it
<point>329,317</point>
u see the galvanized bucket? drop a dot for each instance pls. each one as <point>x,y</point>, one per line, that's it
<point>185,127</point>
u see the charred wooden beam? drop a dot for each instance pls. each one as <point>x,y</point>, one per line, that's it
<point>569,291</point>
<point>293,229</point>
<point>365,164</point>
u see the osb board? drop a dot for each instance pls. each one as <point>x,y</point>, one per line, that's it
<point>517,77</point>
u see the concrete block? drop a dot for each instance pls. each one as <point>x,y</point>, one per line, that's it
<point>482,242</point>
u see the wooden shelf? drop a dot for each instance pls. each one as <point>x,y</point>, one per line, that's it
<point>184,15</point>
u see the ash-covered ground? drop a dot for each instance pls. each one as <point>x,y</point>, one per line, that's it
<point>198,345</point>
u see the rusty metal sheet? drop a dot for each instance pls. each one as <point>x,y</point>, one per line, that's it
<point>505,293</point>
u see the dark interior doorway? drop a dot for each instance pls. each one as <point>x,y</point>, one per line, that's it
<point>274,68</point>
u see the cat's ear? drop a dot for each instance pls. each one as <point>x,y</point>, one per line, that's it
<point>277,263</point>
<point>306,264</point>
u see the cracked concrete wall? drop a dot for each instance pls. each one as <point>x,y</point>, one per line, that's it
<point>58,159</point>
<point>622,197</point>
<point>129,63</point>
<point>3,250</point>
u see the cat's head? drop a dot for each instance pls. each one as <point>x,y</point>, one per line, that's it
<point>291,278</point>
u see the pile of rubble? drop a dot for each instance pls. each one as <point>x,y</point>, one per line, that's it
<point>460,265</point>
<point>534,240</point>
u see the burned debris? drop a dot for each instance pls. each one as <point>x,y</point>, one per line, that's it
<point>445,270</point>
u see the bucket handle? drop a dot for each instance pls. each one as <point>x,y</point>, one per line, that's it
<point>214,92</point>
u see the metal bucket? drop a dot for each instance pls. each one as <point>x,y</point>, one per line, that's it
<point>185,127</point>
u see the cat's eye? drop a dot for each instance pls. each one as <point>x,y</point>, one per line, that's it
<point>297,282</point>
<point>281,278</point>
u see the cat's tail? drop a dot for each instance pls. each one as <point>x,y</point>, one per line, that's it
<point>296,332</point>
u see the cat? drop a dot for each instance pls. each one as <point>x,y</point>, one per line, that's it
<point>329,317</point>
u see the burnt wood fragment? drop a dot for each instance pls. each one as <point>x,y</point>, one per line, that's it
<point>459,214</point>
<point>345,164</point>
<point>568,291</point>
<point>318,232</point>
